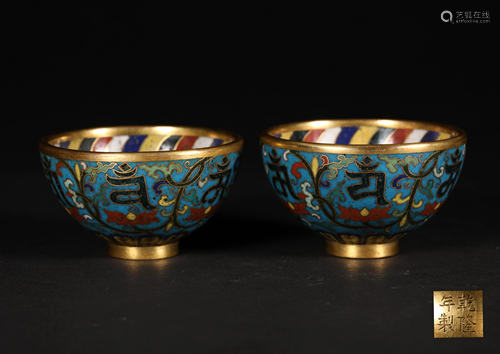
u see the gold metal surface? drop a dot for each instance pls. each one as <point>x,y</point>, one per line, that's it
<point>380,250</point>
<point>458,137</point>
<point>458,314</point>
<point>143,253</point>
<point>235,143</point>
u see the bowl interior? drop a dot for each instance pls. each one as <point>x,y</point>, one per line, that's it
<point>136,141</point>
<point>363,134</point>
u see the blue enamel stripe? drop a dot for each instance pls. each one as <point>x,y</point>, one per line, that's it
<point>346,135</point>
<point>430,136</point>
<point>64,144</point>
<point>381,135</point>
<point>217,142</point>
<point>134,143</point>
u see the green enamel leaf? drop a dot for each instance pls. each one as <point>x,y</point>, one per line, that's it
<point>337,193</point>
<point>410,160</point>
<point>334,167</point>
<point>152,171</point>
<point>391,163</point>
<point>428,189</point>
<point>397,213</point>
<point>191,197</point>
<point>93,171</point>
<point>100,196</point>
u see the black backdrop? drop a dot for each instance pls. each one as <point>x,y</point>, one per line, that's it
<point>252,279</point>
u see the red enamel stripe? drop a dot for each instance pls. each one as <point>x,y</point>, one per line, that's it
<point>399,136</point>
<point>186,142</point>
<point>313,136</point>
<point>101,143</point>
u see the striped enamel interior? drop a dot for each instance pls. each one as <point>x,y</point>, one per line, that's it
<point>136,143</point>
<point>363,135</point>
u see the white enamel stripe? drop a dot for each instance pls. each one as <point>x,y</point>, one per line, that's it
<point>330,135</point>
<point>203,142</point>
<point>117,143</point>
<point>416,136</point>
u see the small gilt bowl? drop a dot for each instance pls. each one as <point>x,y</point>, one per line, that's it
<point>363,183</point>
<point>141,188</point>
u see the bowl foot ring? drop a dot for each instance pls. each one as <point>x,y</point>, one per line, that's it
<point>380,250</point>
<point>143,253</point>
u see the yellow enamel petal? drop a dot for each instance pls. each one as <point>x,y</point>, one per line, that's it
<point>183,210</point>
<point>403,221</point>
<point>350,239</point>
<point>77,171</point>
<point>315,165</point>
<point>418,205</point>
<point>399,200</point>
<point>164,201</point>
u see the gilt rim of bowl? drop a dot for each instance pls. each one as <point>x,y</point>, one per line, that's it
<point>458,138</point>
<point>235,143</point>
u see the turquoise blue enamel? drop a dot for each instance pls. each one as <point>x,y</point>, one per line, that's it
<point>142,203</point>
<point>362,199</point>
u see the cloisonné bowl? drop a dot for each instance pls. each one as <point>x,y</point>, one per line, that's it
<point>363,183</point>
<point>141,188</point>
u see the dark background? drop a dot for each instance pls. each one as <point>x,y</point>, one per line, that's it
<point>252,279</point>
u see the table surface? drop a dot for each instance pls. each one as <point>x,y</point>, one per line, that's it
<point>253,279</point>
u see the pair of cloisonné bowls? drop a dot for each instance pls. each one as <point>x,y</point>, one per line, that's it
<point>360,183</point>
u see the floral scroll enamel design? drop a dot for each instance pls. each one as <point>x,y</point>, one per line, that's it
<point>361,199</point>
<point>142,204</point>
